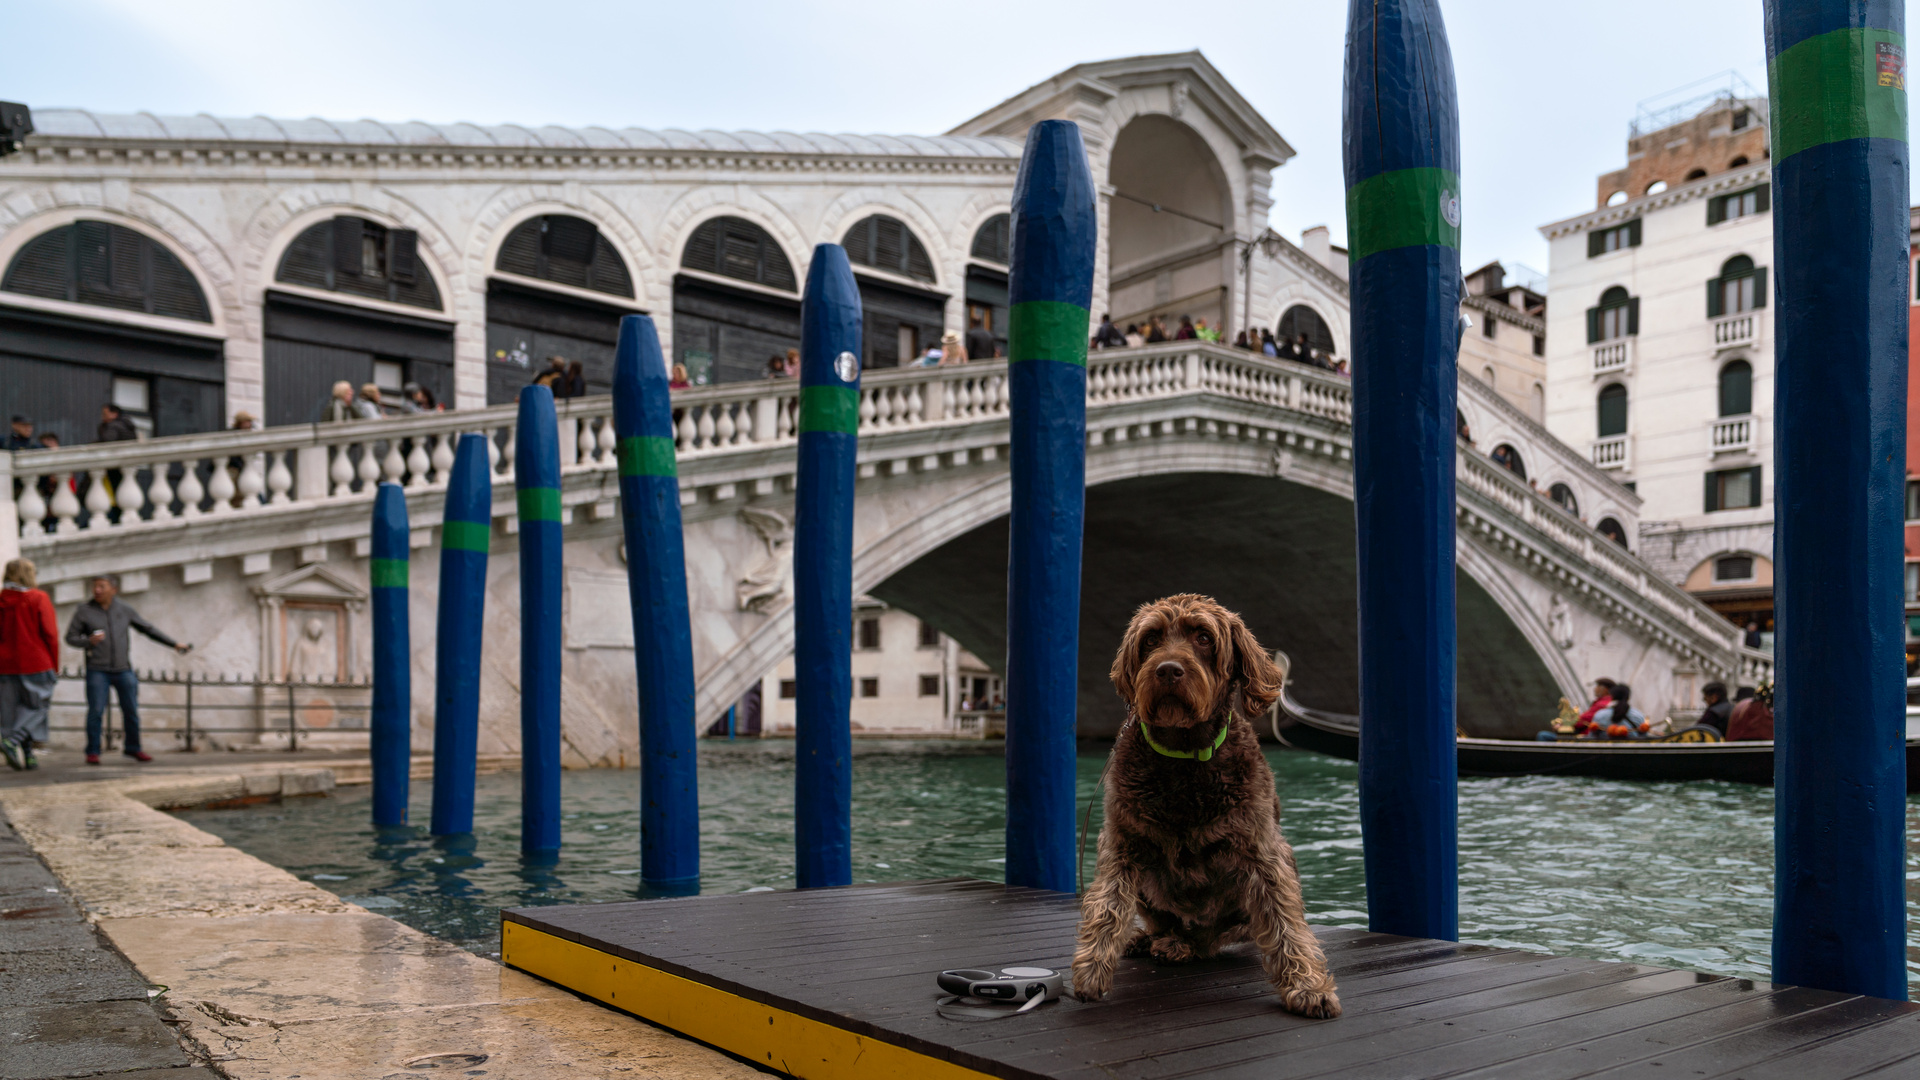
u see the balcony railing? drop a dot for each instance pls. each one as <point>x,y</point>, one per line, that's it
<point>1741,329</point>
<point>1732,434</point>
<point>1612,452</point>
<point>1612,356</point>
<point>221,475</point>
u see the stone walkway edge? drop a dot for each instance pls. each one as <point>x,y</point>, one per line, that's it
<point>264,975</point>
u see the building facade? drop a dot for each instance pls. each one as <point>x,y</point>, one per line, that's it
<point>909,679</point>
<point>192,268</point>
<point>1659,349</point>
<point>1507,346</point>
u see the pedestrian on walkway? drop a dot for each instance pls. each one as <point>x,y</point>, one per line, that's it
<point>29,663</point>
<point>100,626</point>
<point>20,434</point>
<point>339,406</point>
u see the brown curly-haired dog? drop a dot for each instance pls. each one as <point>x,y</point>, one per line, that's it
<point>1191,856</point>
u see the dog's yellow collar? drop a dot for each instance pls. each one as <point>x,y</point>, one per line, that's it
<point>1205,753</point>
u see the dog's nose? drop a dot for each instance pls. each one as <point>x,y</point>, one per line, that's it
<point>1169,671</point>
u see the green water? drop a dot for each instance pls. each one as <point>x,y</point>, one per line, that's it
<point>1671,874</point>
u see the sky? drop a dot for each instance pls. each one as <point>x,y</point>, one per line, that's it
<point>1546,90</point>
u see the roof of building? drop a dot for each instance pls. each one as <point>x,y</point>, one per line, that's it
<point>143,126</point>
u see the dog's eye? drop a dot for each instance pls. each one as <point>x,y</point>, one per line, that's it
<point>1151,640</point>
<point>1205,639</point>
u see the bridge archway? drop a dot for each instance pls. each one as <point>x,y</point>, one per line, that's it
<point>1170,230</point>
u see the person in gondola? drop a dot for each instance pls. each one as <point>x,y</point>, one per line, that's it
<point>1602,697</point>
<point>1752,719</point>
<point>1620,720</point>
<point>1718,710</point>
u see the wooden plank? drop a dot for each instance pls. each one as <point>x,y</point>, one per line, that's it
<point>840,981</point>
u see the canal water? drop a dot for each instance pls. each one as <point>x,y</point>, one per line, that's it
<point>1677,875</point>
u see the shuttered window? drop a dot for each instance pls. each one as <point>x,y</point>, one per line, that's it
<point>886,243</point>
<point>1733,489</point>
<point>737,248</point>
<point>358,257</point>
<point>1617,315</point>
<point>1736,389</point>
<point>1612,410</point>
<point>568,251</point>
<point>1740,287</point>
<point>106,265</point>
<point>1614,239</point>
<point>1739,204</point>
<point>993,239</point>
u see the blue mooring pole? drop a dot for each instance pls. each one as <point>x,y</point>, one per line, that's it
<point>1049,291</point>
<point>1402,156</point>
<point>536,476</point>
<point>466,531</point>
<point>657,587</point>
<point>823,571</point>
<point>1836,73</point>
<point>391,725</point>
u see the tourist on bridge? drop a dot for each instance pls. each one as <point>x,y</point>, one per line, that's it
<point>115,426</point>
<point>980,344</point>
<point>21,436</point>
<point>1719,709</point>
<point>368,406</point>
<point>1185,332</point>
<point>29,663</point>
<point>1108,336</point>
<point>100,627</point>
<point>339,405</point>
<point>1135,338</point>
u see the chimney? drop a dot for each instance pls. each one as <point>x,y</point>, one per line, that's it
<point>1318,242</point>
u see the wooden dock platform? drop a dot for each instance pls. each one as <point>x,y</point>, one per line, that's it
<point>839,983</point>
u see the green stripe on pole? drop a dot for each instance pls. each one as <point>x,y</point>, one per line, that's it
<point>1847,84</point>
<point>647,455</point>
<point>830,408</point>
<point>466,535</point>
<point>539,504</point>
<point>1047,330</point>
<point>389,573</point>
<point>1403,208</point>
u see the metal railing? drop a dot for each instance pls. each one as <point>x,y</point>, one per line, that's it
<point>276,711</point>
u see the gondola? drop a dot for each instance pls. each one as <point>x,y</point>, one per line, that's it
<point>1338,736</point>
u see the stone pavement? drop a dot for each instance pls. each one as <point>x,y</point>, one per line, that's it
<point>268,976</point>
<point>70,1006</point>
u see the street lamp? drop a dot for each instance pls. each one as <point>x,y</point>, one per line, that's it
<point>1271,244</point>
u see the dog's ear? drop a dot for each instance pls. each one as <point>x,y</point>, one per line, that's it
<point>1126,662</point>
<point>1259,677</point>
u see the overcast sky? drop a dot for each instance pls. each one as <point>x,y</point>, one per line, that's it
<point>1546,90</point>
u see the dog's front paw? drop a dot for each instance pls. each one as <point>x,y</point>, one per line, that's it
<point>1316,1001</point>
<point>1168,949</point>
<point>1091,980</point>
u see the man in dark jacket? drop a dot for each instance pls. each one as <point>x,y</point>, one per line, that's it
<point>114,426</point>
<point>100,627</point>
<point>1719,710</point>
<point>979,341</point>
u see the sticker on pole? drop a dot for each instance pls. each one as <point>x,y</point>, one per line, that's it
<point>1893,65</point>
<point>847,366</point>
<point>1450,208</point>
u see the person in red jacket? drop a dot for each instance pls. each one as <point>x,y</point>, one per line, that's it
<point>1602,698</point>
<point>29,663</point>
<point>1753,718</point>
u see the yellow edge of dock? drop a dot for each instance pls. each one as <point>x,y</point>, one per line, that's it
<point>794,1044</point>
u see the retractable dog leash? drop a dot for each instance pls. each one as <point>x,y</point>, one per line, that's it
<point>1029,986</point>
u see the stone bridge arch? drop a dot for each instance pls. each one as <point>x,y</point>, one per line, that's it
<point>1279,548</point>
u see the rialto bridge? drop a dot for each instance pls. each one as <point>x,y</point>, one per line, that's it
<point>1209,469</point>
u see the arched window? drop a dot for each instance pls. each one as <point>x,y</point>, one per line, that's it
<point>1696,174</point>
<point>1736,388</point>
<point>1301,319</point>
<point>106,265</point>
<point>1508,458</point>
<point>1736,162</point>
<point>1539,412</point>
<point>1616,316</point>
<point>994,239</point>
<point>886,243</point>
<point>1563,495</point>
<point>360,258</point>
<point>1740,287</point>
<point>1612,410</point>
<point>1486,375</point>
<point>1611,529</point>
<point>567,251</point>
<point>737,248</point>
<point>1656,187</point>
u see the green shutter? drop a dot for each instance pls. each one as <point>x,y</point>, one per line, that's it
<point>1755,486</point>
<point>1760,285</point>
<point>1716,210</point>
<point>1633,233</point>
<point>1593,325</point>
<point>1595,240</point>
<point>1713,298</point>
<point>1762,198</point>
<point>1633,315</point>
<point>1713,493</point>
